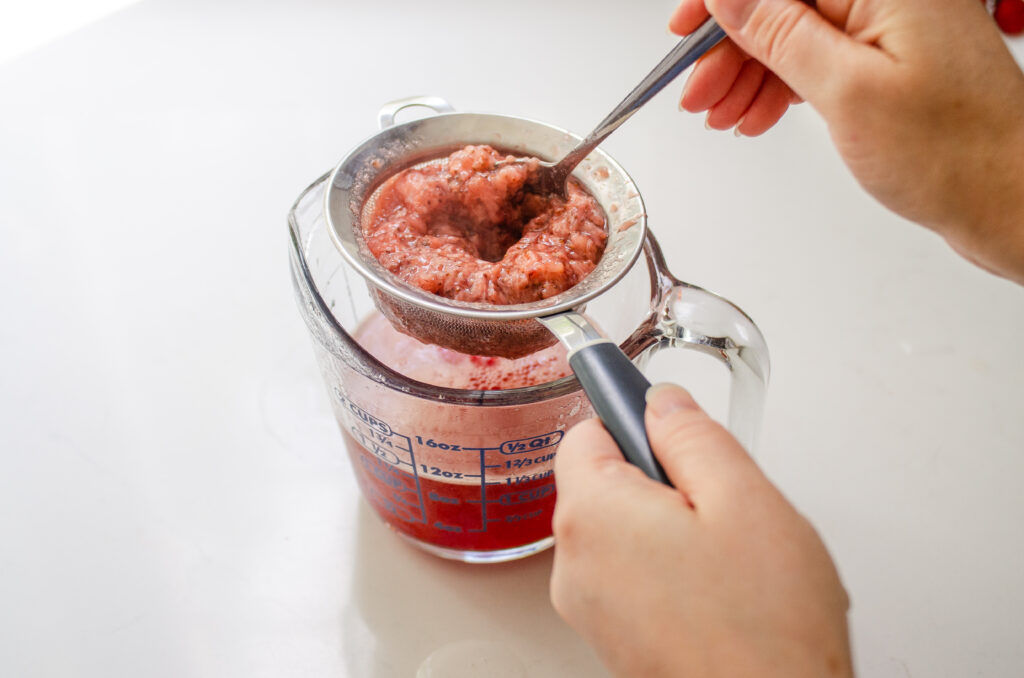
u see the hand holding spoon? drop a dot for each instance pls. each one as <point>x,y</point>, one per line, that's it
<point>551,177</point>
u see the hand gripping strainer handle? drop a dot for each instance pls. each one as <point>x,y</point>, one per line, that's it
<point>685,316</point>
<point>614,385</point>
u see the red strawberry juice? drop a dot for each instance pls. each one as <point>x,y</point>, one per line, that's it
<point>462,477</point>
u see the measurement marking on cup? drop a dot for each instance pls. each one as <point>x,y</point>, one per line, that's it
<point>517,517</point>
<point>525,462</point>
<point>519,480</point>
<point>430,442</point>
<point>443,473</point>
<point>530,444</point>
<point>362,415</point>
<point>379,451</point>
<point>402,500</point>
<point>483,493</point>
<point>378,498</point>
<point>389,447</point>
<point>405,502</point>
<point>512,498</point>
<point>428,494</point>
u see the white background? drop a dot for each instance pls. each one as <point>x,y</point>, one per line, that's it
<point>25,26</point>
<point>174,500</point>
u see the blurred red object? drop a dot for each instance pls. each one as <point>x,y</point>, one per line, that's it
<point>1009,15</point>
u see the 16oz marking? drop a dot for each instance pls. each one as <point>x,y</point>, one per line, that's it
<point>430,442</point>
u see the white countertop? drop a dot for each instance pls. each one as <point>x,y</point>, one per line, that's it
<point>174,498</point>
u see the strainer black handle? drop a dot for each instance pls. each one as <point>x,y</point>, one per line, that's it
<point>617,390</point>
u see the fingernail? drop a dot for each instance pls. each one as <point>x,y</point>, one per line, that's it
<point>665,399</point>
<point>686,87</point>
<point>707,124</point>
<point>736,130</point>
<point>731,13</point>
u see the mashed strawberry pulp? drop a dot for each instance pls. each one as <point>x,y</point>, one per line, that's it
<point>468,227</point>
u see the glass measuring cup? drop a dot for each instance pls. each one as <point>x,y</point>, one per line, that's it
<point>467,474</point>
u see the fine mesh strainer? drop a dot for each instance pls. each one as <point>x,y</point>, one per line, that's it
<point>615,386</point>
<point>476,328</point>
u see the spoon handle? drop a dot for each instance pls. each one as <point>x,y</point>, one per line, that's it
<point>682,56</point>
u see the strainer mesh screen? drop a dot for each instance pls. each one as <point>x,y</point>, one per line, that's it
<point>502,338</point>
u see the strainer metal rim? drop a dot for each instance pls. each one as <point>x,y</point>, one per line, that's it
<point>389,283</point>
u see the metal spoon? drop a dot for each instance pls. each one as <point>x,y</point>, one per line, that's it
<point>552,177</point>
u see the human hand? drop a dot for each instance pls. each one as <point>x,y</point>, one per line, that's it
<point>922,98</point>
<point>720,577</point>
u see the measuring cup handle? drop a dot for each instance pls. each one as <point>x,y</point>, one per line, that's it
<point>386,117</point>
<point>694,318</point>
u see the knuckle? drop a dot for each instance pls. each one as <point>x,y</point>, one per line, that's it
<point>565,523</point>
<point>561,523</point>
<point>696,430</point>
<point>773,34</point>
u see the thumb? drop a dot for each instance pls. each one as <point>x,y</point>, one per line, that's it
<point>702,459</point>
<point>810,54</point>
